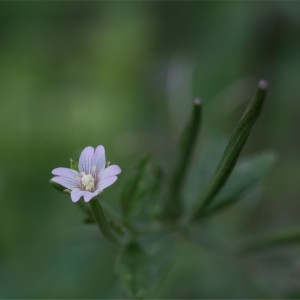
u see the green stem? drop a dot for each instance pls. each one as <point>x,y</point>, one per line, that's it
<point>174,205</point>
<point>101,220</point>
<point>232,151</point>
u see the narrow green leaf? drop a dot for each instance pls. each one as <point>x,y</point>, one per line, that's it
<point>287,236</point>
<point>101,220</point>
<point>232,151</point>
<point>132,267</point>
<point>174,204</point>
<point>246,174</point>
<point>74,165</point>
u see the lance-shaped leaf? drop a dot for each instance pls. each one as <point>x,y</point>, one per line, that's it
<point>174,203</point>
<point>101,221</point>
<point>246,174</point>
<point>232,151</point>
<point>132,267</point>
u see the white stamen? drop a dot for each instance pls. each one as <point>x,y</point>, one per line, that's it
<point>87,182</point>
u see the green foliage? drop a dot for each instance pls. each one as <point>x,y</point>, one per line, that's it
<point>232,151</point>
<point>150,222</point>
<point>282,237</point>
<point>246,174</point>
<point>141,189</point>
<point>133,268</point>
<point>101,220</point>
<point>139,270</point>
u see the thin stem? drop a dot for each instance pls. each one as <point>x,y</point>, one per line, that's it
<point>174,205</point>
<point>232,151</point>
<point>101,220</point>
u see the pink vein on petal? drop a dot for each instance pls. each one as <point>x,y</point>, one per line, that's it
<point>65,172</point>
<point>85,160</point>
<point>69,183</point>
<point>99,159</point>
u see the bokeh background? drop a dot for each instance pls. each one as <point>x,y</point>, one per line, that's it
<point>124,74</point>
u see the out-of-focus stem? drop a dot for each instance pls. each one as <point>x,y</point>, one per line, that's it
<point>101,221</point>
<point>174,205</point>
<point>232,151</point>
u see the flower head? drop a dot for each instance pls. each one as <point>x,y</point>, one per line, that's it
<point>93,175</point>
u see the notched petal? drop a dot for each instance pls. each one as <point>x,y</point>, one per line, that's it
<point>88,195</point>
<point>85,160</point>
<point>99,159</point>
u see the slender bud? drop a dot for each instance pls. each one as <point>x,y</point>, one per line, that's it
<point>235,145</point>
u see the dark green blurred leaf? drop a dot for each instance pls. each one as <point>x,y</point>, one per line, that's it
<point>141,186</point>
<point>281,237</point>
<point>132,266</point>
<point>131,185</point>
<point>117,227</point>
<point>246,174</point>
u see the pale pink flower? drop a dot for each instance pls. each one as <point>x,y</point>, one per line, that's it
<point>93,176</point>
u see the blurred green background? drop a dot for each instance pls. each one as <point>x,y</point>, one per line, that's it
<point>124,74</point>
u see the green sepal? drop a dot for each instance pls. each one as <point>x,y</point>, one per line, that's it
<point>232,151</point>
<point>74,165</point>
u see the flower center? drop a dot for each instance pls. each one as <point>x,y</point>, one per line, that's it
<point>87,181</point>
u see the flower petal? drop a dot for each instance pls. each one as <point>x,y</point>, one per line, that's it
<point>99,159</point>
<point>85,160</point>
<point>65,172</point>
<point>105,182</point>
<point>88,195</point>
<point>76,194</point>
<point>68,182</point>
<point>112,170</point>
